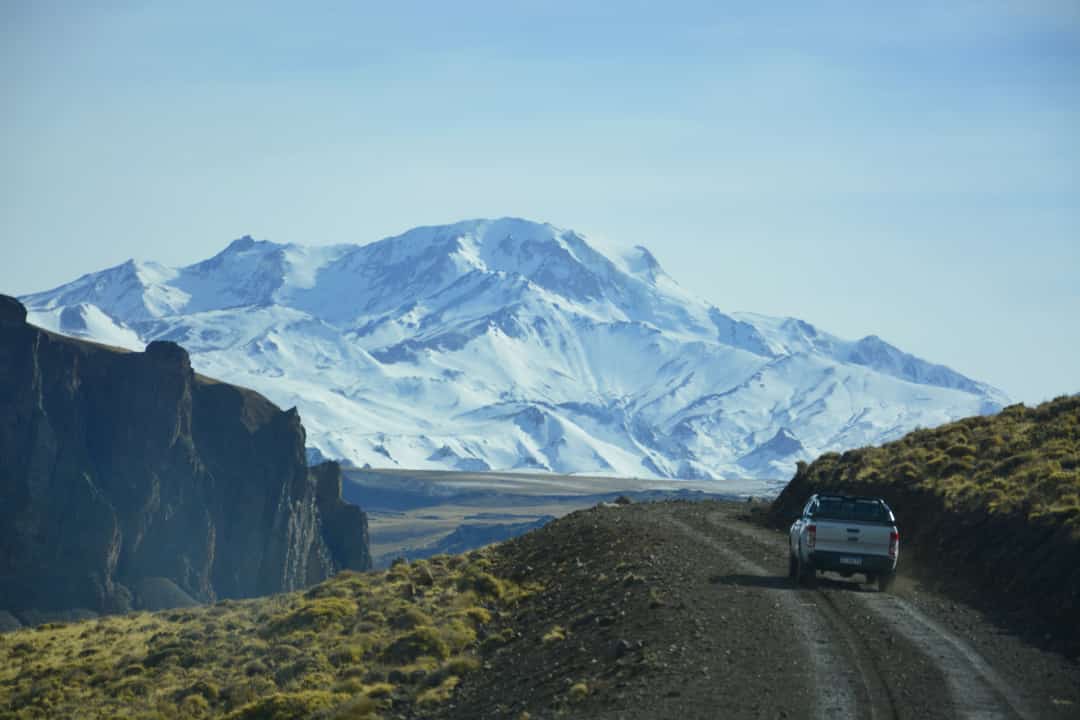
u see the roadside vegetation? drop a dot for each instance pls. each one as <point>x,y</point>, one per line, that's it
<point>988,506</point>
<point>355,646</point>
<point>1021,462</point>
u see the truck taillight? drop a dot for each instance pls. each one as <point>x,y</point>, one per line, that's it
<point>894,543</point>
<point>811,536</point>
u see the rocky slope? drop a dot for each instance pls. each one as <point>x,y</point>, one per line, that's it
<point>508,344</point>
<point>992,501</point>
<point>129,481</point>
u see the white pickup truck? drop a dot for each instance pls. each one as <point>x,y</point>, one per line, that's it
<point>846,535</point>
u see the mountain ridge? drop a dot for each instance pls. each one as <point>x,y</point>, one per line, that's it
<point>399,348</point>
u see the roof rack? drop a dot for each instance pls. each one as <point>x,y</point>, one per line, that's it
<point>839,496</point>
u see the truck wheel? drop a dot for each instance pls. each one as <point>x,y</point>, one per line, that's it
<point>871,578</point>
<point>885,581</point>
<point>805,573</point>
<point>792,566</point>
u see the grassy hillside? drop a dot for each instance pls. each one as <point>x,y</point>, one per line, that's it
<point>1023,461</point>
<point>354,646</point>
<point>994,500</point>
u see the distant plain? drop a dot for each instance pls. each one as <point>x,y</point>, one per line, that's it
<point>408,510</point>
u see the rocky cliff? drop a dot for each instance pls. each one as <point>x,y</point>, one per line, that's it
<point>123,471</point>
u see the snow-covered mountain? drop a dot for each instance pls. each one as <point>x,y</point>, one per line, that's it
<point>509,344</point>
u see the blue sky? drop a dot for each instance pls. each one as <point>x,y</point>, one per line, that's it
<point>903,169</point>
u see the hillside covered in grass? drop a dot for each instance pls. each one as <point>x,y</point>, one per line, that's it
<point>994,500</point>
<point>355,646</point>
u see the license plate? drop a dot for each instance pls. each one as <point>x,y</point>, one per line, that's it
<point>850,561</point>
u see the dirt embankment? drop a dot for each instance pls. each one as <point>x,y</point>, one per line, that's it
<point>1028,575</point>
<point>987,509</point>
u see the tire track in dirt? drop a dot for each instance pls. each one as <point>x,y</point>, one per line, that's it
<point>975,689</point>
<point>840,689</point>
<point>882,704</point>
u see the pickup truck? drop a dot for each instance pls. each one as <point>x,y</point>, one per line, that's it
<point>847,535</point>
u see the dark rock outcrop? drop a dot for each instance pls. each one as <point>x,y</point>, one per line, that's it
<point>118,467</point>
<point>12,311</point>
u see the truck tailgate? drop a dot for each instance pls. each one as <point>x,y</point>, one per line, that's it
<point>853,537</point>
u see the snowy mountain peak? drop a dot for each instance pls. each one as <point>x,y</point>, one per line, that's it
<point>247,272</point>
<point>558,260</point>
<point>240,244</point>
<point>508,343</point>
<point>872,351</point>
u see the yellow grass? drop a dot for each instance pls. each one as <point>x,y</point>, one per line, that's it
<point>1023,461</point>
<point>342,649</point>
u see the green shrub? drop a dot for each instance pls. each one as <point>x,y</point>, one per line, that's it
<point>555,634</point>
<point>905,471</point>
<point>359,708</point>
<point>482,583</point>
<point>347,655</point>
<point>458,634</point>
<point>422,574</point>
<point>455,667</point>
<point>578,692</point>
<point>409,618</point>
<point>316,614</point>
<point>420,642</point>
<point>379,690</point>
<point>286,706</point>
<point>438,695</point>
<point>195,706</point>
<point>255,667</point>
<point>308,665</point>
<point>478,616</point>
<point>205,689</point>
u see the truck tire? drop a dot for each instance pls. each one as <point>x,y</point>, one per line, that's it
<point>805,572</point>
<point>792,566</point>
<point>885,581</point>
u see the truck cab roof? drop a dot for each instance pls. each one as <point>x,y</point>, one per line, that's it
<point>850,508</point>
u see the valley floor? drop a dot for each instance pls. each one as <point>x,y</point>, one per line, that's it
<point>411,513</point>
<point>684,610</point>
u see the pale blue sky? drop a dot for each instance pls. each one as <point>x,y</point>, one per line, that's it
<point>904,169</point>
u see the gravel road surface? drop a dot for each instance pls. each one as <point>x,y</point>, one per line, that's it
<point>684,610</point>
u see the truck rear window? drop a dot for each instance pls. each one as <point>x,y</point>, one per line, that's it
<point>851,510</point>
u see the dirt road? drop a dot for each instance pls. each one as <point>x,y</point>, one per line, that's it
<point>684,610</point>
